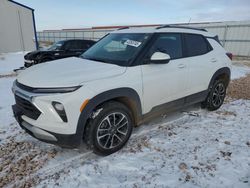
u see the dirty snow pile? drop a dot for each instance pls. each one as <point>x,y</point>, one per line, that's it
<point>188,148</point>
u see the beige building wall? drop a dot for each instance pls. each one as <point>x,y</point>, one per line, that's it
<point>16,28</point>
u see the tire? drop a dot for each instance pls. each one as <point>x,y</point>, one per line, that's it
<point>216,95</point>
<point>109,131</point>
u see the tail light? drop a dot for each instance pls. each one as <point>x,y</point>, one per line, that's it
<point>230,55</point>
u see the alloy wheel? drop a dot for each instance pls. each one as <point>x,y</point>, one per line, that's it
<point>218,94</point>
<point>112,130</point>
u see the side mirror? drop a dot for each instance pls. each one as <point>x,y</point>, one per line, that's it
<point>160,58</point>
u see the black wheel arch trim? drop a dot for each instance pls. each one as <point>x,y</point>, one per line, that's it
<point>101,98</point>
<point>221,71</point>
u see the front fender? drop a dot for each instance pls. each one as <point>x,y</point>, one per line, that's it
<point>101,98</point>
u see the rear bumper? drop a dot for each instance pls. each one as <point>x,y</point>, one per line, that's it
<point>69,141</point>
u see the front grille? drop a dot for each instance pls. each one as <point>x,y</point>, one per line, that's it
<point>27,107</point>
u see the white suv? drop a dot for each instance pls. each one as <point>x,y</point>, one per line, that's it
<point>126,78</point>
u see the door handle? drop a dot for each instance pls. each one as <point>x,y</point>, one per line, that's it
<point>181,66</point>
<point>213,60</point>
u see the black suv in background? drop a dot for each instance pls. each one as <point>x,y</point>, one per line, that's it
<point>59,50</point>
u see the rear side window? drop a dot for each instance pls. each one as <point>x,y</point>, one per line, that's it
<point>85,44</point>
<point>196,45</point>
<point>168,43</point>
<point>81,45</point>
<point>70,45</point>
<point>75,45</point>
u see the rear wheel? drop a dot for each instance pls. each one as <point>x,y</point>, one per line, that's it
<point>110,129</point>
<point>216,96</point>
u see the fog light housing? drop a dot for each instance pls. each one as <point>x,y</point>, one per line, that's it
<point>59,106</point>
<point>60,110</point>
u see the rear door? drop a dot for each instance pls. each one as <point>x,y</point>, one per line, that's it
<point>163,83</point>
<point>201,62</point>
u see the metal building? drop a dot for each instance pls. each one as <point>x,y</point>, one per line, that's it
<point>234,36</point>
<point>17,27</point>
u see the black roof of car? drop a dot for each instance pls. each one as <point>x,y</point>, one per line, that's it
<point>78,40</point>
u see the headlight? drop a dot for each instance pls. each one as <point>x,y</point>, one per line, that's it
<point>56,90</point>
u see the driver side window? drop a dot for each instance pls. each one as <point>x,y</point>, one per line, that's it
<point>168,43</point>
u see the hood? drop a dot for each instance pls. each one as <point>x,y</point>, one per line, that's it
<point>67,72</point>
<point>32,55</point>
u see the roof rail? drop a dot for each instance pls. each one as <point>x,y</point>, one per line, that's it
<point>121,28</point>
<point>181,27</point>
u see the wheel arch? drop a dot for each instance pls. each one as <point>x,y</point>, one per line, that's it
<point>223,73</point>
<point>127,96</point>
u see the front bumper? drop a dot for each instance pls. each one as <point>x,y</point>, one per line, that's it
<point>69,141</point>
<point>36,114</point>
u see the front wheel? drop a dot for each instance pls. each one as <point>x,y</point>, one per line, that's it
<point>216,96</point>
<point>110,129</point>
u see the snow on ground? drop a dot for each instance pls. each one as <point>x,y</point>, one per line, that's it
<point>6,98</point>
<point>11,61</point>
<point>188,148</point>
<point>199,149</point>
<point>239,71</point>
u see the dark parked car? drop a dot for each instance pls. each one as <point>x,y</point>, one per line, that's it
<point>59,50</point>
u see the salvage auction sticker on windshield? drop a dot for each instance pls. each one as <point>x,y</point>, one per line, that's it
<point>132,43</point>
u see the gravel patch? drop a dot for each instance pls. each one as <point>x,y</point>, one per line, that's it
<point>239,88</point>
<point>8,75</point>
<point>19,161</point>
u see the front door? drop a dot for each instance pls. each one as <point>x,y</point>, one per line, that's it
<point>163,83</point>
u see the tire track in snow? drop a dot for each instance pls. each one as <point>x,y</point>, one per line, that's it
<point>60,167</point>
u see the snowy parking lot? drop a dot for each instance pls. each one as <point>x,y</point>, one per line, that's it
<point>188,148</point>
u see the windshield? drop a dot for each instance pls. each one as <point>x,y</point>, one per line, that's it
<point>56,45</point>
<point>117,48</point>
